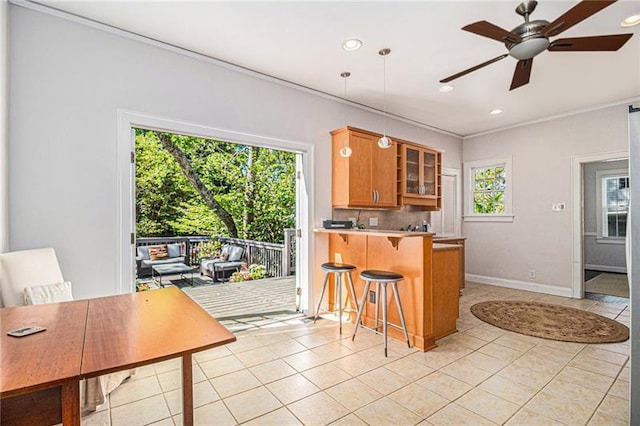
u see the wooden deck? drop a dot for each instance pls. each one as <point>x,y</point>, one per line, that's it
<point>245,305</point>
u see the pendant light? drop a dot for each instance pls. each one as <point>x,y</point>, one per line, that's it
<point>346,150</point>
<point>384,142</point>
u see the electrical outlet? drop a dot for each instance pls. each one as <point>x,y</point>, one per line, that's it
<point>372,297</point>
<point>532,274</point>
<point>558,207</point>
<point>373,221</point>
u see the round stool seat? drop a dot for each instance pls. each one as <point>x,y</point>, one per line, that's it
<point>337,267</point>
<point>380,276</point>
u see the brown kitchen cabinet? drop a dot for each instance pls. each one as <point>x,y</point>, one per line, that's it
<point>420,176</point>
<point>366,179</point>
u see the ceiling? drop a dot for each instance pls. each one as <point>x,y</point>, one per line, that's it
<point>301,42</point>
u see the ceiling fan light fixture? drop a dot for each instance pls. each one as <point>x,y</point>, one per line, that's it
<point>447,88</point>
<point>351,44</point>
<point>527,49</point>
<point>630,21</point>
<point>496,111</point>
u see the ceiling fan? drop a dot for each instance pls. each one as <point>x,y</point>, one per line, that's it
<point>531,38</point>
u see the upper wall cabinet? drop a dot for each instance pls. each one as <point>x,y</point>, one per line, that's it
<point>420,176</point>
<point>366,179</point>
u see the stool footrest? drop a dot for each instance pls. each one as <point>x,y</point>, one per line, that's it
<point>376,329</point>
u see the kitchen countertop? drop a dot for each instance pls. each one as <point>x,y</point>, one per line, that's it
<point>374,232</point>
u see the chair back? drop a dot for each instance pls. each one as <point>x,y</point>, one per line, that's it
<point>27,268</point>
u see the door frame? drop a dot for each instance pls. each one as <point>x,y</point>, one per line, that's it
<point>577,215</point>
<point>457,213</point>
<point>125,214</point>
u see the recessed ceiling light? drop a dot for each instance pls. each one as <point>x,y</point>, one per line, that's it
<point>495,111</point>
<point>631,21</point>
<point>446,88</point>
<point>352,44</point>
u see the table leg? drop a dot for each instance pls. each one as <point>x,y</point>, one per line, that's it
<point>71,403</point>
<point>187,390</point>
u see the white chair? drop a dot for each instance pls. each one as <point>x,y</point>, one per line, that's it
<point>34,277</point>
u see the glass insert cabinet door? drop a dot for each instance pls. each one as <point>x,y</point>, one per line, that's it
<point>429,174</point>
<point>412,171</point>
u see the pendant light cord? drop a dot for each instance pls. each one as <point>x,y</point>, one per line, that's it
<point>384,95</point>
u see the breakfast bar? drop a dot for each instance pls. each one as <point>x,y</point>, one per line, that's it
<point>430,289</point>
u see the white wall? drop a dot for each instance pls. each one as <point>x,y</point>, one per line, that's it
<point>4,131</point>
<point>67,82</point>
<point>598,255</point>
<point>538,238</point>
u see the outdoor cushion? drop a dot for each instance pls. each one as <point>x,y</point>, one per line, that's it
<point>158,252</point>
<point>149,263</point>
<point>235,254</point>
<point>174,250</point>
<point>143,252</point>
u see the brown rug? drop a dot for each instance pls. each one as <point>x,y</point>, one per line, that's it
<point>549,321</point>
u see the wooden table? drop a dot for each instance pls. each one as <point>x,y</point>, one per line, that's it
<point>111,334</point>
<point>136,329</point>
<point>44,366</point>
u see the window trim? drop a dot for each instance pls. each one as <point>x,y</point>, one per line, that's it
<point>469,214</point>
<point>601,175</point>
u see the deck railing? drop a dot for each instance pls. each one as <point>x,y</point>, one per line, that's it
<point>279,259</point>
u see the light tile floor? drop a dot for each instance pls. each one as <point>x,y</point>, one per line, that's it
<point>301,373</point>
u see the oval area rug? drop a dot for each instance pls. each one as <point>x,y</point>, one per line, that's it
<point>551,321</point>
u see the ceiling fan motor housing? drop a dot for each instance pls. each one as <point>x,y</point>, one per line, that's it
<point>533,42</point>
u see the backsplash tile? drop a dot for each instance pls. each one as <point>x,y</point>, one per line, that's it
<point>387,219</point>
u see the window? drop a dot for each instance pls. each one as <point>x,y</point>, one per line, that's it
<point>488,190</point>
<point>615,204</point>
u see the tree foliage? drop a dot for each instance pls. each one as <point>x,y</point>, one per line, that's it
<point>255,186</point>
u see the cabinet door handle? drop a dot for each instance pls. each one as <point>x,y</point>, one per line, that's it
<point>377,196</point>
<point>374,196</point>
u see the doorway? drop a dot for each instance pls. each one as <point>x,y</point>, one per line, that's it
<point>606,204</point>
<point>447,221</point>
<point>599,186</point>
<point>126,206</point>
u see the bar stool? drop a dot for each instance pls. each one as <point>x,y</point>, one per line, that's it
<point>381,278</point>
<point>337,269</point>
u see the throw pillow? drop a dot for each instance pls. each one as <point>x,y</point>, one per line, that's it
<point>158,252</point>
<point>52,293</point>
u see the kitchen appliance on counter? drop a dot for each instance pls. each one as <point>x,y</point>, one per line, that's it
<point>337,224</point>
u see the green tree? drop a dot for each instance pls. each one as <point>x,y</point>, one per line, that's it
<point>200,186</point>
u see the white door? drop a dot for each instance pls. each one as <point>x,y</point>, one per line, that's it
<point>446,222</point>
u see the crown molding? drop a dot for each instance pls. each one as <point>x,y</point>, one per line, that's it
<point>50,10</point>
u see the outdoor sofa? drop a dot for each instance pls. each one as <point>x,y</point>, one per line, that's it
<point>149,256</point>
<point>228,261</point>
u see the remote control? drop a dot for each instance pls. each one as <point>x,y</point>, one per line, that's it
<point>20,332</point>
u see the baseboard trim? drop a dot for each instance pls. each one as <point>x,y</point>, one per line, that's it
<point>604,268</point>
<point>521,285</point>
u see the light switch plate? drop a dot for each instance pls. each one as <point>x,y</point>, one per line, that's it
<point>373,221</point>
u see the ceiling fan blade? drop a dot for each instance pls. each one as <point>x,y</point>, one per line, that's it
<point>472,69</point>
<point>487,29</point>
<point>605,43</point>
<point>522,73</point>
<point>575,15</point>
